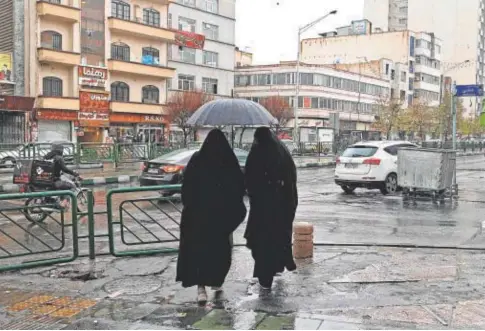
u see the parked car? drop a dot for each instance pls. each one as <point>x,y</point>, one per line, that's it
<point>168,169</point>
<point>291,145</point>
<point>371,165</point>
<point>8,158</point>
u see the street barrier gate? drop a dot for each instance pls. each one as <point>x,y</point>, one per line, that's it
<point>128,227</point>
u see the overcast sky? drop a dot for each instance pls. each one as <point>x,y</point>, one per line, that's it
<point>270,30</point>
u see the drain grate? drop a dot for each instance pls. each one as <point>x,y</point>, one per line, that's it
<point>133,285</point>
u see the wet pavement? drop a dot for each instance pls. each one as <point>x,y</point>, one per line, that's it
<point>426,280</point>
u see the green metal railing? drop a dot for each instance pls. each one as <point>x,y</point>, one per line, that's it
<point>21,239</point>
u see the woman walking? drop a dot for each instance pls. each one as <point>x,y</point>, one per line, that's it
<point>271,185</point>
<point>212,196</point>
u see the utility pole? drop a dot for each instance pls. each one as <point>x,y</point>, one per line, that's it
<point>453,114</point>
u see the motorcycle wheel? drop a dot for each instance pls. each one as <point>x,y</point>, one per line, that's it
<point>82,201</point>
<point>33,211</point>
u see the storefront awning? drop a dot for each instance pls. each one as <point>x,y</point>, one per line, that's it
<point>15,103</point>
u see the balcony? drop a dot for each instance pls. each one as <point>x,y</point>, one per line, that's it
<point>139,69</point>
<point>58,12</point>
<point>47,55</point>
<point>57,103</point>
<point>140,30</point>
<point>137,108</point>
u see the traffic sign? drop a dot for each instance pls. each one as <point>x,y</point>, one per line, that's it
<point>468,90</point>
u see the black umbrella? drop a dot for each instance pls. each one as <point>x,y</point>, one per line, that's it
<point>232,112</point>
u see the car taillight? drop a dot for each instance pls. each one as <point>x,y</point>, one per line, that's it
<point>170,169</point>
<point>337,160</point>
<point>372,161</point>
<point>144,166</point>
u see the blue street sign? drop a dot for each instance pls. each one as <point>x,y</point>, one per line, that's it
<point>468,90</point>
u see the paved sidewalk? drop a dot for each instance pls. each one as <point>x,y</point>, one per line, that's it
<point>340,288</point>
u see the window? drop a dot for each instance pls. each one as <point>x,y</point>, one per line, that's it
<point>169,20</point>
<point>403,21</point>
<point>150,56</point>
<point>211,31</point>
<point>209,85</point>
<point>187,2</point>
<point>210,59</point>
<point>151,17</point>
<point>403,9</point>
<point>52,87</point>
<point>55,1</point>
<point>387,68</point>
<point>211,6</point>
<point>120,9</point>
<point>186,82</point>
<point>151,94</point>
<point>51,39</point>
<point>120,92</point>
<point>186,24</point>
<point>120,51</point>
<point>403,76</point>
<point>187,54</point>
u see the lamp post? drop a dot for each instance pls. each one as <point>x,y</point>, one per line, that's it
<point>296,134</point>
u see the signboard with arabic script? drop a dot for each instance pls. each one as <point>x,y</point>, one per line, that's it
<point>189,39</point>
<point>92,77</point>
<point>93,109</point>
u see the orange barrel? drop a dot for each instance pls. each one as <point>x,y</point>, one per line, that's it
<point>302,240</point>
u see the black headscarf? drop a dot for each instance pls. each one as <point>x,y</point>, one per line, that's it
<point>217,152</point>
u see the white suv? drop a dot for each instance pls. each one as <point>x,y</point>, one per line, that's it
<point>371,164</point>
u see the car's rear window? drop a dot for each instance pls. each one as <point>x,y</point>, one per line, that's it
<point>176,156</point>
<point>360,151</point>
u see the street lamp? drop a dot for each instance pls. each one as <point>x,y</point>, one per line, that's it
<point>302,29</point>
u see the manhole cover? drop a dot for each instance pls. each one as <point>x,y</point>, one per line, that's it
<point>133,285</point>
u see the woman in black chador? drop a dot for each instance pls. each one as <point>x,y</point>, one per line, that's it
<point>212,195</point>
<point>271,185</point>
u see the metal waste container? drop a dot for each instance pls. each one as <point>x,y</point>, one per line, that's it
<point>426,169</point>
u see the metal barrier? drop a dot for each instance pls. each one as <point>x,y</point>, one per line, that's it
<point>143,226</point>
<point>96,153</point>
<point>21,239</point>
<point>130,153</point>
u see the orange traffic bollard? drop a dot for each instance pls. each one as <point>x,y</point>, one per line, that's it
<point>302,240</point>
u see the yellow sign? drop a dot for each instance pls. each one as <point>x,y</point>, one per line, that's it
<point>6,67</point>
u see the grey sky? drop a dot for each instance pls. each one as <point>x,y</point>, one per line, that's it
<point>270,30</point>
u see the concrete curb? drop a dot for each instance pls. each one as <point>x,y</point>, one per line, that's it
<point>14,188</point>
<point>325,164</point>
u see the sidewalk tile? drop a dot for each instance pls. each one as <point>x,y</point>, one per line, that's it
<point>331,325</point>
<point>277,323</point>
<point>307,324</point>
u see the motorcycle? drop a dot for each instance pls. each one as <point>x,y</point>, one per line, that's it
<point>38,209</point>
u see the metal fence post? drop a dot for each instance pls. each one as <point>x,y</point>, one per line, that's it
<point>91,226</point>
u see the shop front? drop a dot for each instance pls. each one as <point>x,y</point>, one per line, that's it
<point>93,117</point>
<point>137,128</point>
<point>55,125</point>
<point>14,119</point>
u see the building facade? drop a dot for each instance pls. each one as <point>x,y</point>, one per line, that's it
<point>99,70</point>
<point>460,24</point>
<point>324,91</point>
<point>243,58</point>
<point>415,74</point>
<point>210,69</point>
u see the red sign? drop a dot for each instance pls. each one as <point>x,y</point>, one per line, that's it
<point>93,109</point>
<point>189,39</point>
<point>16,103</point>
<point>92,76</point>
<point>56,114</point>
<point>136,118</point>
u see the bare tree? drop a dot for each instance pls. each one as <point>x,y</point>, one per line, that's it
<point>180,107</point>
<point>279,108</point>
<point>387,117</point>
<point>418,118</point>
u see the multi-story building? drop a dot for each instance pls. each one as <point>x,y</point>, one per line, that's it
<point>243,58</point>
<point>324,90</point>
<point>211,69</point>
<point>99,68</point>
<point>417,56</point>
<point>460,24</point>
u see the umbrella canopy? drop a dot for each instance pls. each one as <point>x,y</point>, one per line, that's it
<point>231,112</point>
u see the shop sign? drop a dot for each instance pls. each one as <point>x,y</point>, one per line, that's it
<point>93,109</point>
<point>136,118</point>
<point>56,115</point>
<point>92,76</point>
<point>6,76</point>
<point>189,39</point>
<point>16,103</point>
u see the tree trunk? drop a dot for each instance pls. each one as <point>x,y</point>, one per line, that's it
<point>241,136</point>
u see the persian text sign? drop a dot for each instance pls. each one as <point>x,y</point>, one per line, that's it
<point>189,39</point>
<point>92,76</point>
<point>93,109</point>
